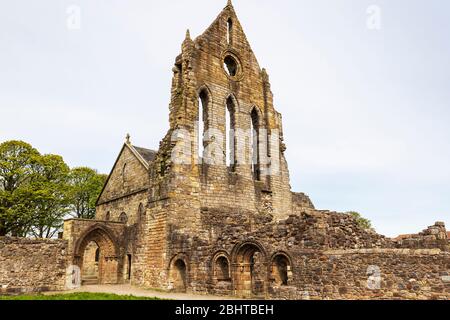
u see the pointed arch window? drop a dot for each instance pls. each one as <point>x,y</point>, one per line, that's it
<point>230,112</point>
<point>229,31</point>
<point>203,102</point>
<point>124,173</point>
<point>123,217</point>
<point>255,159</point>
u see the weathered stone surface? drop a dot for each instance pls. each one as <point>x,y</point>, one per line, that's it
<point>32,265</point>
<point>230,229</point>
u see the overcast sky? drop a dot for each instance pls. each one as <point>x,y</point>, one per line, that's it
<point>366,106</point>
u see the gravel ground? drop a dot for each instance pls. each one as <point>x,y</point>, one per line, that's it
<point>126,289</point>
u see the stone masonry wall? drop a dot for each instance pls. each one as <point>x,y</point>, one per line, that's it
<point>28,265</point>
<point>330,257</point>
<point>126,188</point>
<point>129,205</point>
<point>433,237</point>
<point>368,274</point>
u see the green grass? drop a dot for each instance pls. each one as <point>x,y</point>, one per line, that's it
<point>76,296</point>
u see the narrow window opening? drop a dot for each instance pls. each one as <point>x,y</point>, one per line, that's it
<point>201,124</point>
<point>124,174</point>
<point>97,255</point>
<point>141,209</point>
<point>129,267</point>
<point>255,144</point>
<point>229,134</point>
<point>229,31</point>
<point>123,217</point>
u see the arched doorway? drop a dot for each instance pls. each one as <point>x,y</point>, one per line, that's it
<point>250,270</point>
<point>178,275</point>
<point>96,255</point>
<point>91,258</point>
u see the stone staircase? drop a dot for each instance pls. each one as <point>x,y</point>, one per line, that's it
<point>89,280</point>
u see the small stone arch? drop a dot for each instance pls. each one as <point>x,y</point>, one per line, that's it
<point>179,273</point>
<point>123,217</point>
<point>250,269</point>
<point>235,101</point>
<point>221,270</point>
<point>281,269</point>
<point>257,110</point>
<point>108,254</point>
<point>205,87</point>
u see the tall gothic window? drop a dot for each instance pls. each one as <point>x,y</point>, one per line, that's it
<point>124,173</point>
<point>229,31</point>
<point>230,111</point>
<point>203,101</point>
<point>255,144</point>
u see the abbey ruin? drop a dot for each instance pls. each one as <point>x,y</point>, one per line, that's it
<point>212,211</point>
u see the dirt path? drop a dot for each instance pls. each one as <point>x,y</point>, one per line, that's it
<point>126,289</point>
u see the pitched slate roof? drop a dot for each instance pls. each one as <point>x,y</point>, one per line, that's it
<point>147,154</point>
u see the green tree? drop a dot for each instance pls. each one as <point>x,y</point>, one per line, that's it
<point>17,162</point>
<point>85,187</point>
<point>38,191</point>
<point>362,222</point>
<point>50,194</point>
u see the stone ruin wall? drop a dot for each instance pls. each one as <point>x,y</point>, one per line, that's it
<point>187,217</point>
<point>353,274</point>
<point>114,239</point>
<point>434,236</point>
<point>330,256</point>
<point>28,265</point>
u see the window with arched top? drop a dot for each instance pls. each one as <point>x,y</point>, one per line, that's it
<point>255,124</point>
<point>124,173</point>
<point>203,102</point>
<point>141,210</point>
<point>230,112</point>
<point>108,216</point>
<point>123,217</point>
<point>281,270</point>
<point>222,269</point>
<point>229,31</point>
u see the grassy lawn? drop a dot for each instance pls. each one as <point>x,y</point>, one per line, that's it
<point>76,296</point>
